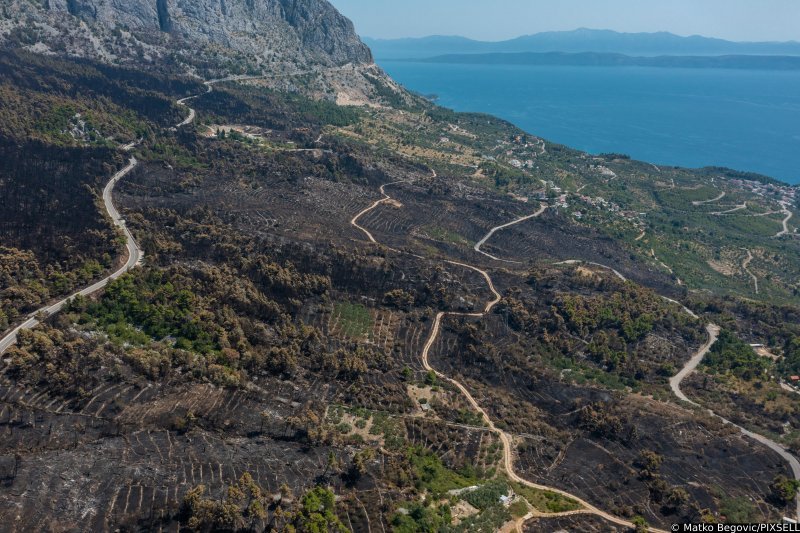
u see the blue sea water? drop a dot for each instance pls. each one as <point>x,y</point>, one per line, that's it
<point>742,119</point>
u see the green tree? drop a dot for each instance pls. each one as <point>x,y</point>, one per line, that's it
<point>640,524</point>
<point>317,513</point>
<point>783,490</point>
<point>731,355</point>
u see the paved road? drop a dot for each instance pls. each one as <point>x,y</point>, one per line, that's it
<point>135,253</point>
<point>691,365</point>
<point>504,226</point>
<point>191,116</point>
<point>209,87</point>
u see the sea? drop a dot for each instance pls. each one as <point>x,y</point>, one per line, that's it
<point>742,119</point>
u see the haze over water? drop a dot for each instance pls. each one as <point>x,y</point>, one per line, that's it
<point>742,119</point>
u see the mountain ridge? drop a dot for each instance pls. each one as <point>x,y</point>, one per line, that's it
<point>303,46</point>
<point>595,59</point>
<point>240,35</point>
<point>576,41</point>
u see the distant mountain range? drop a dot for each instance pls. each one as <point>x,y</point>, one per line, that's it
<point>592,59</point>
<point>580,41</point>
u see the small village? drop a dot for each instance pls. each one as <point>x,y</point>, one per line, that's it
<point>784,194</point>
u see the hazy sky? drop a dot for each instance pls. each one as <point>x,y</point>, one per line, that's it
<point>740,20</point>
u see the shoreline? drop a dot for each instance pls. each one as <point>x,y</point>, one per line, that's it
<point>664,144</point>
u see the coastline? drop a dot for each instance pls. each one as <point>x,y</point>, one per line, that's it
<point>682,117</point>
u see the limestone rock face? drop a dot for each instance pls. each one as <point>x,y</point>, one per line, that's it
<point>305,33</point>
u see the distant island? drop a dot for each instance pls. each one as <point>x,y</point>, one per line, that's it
<point>580,41</point>
<point>593,59</point>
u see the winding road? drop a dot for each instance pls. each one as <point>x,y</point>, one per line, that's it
<point>711,201</point>
<point>745,267</point>
<point>675,385</point>
<point>691,365</point>
<point>580,261</point>
<point>675,382</point>
<point>135,253</point>
<point>789,214</point>
<point>505,438</point>
<point>209,87</point>
<point>734,209</point>
<point>383,200</point>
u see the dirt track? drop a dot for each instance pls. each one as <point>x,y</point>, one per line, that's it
<point>505,438</point>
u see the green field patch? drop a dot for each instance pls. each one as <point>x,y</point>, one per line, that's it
<point>518,509</point>
<point>738,510</point>
<point>753,226</point>
<point>353,319</point>
<point>430,473</point>
<point>421,517</point>
<point>446,235</point>
<point>546,501</point>
<point>682,198</point>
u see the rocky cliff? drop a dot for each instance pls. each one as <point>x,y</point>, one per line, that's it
<point>232,35</point>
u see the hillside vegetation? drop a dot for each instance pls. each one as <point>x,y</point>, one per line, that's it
<point>308,266</point>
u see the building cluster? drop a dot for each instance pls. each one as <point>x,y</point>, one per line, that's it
<point>785,194</point>
<point>599,203</point>
<point>603,171</point>
<point>523,155</point>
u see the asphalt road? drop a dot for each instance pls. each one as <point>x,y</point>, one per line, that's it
<point>135,253</point>
<point>691,365</point>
